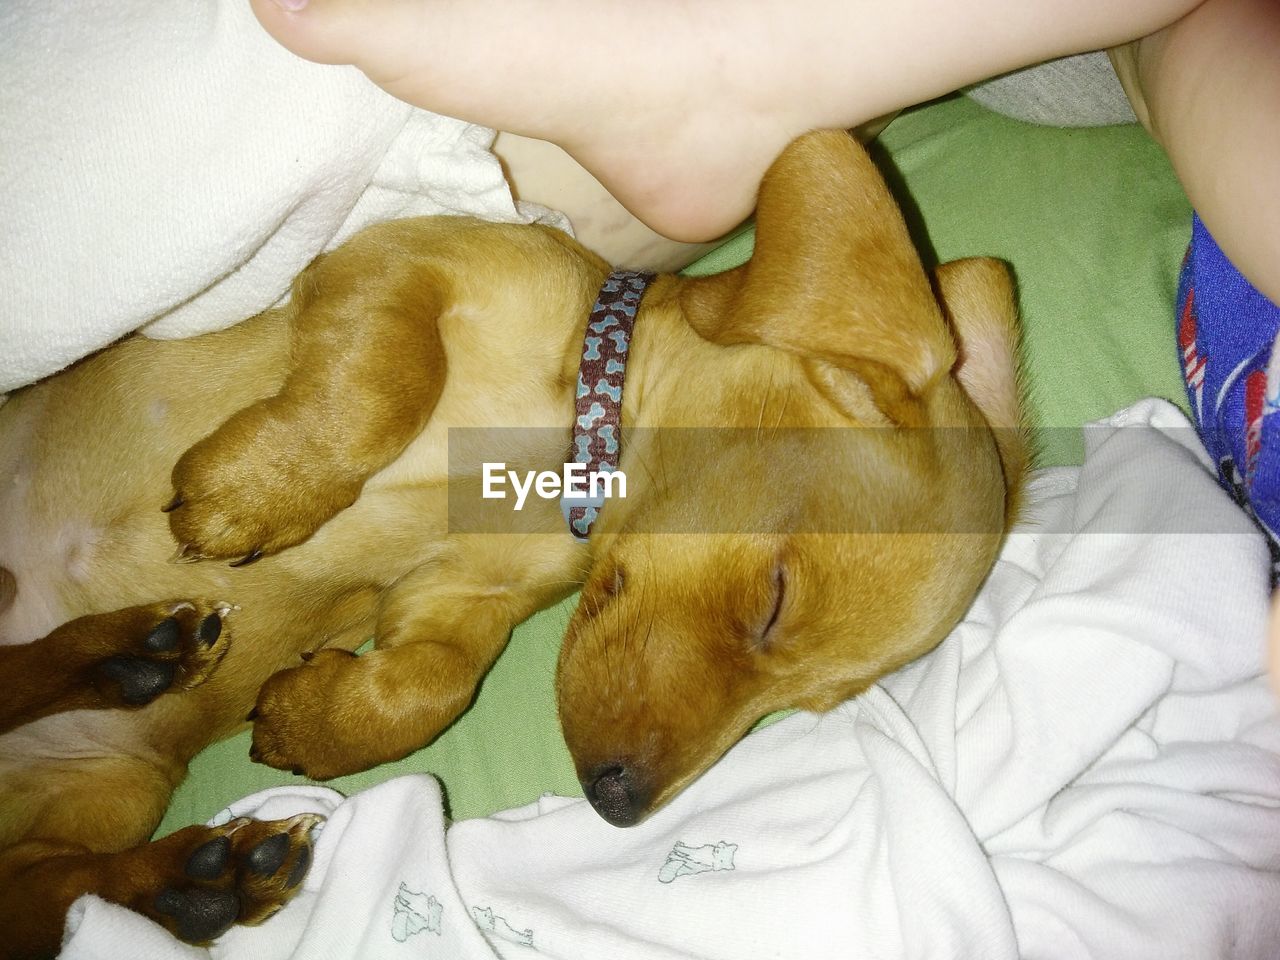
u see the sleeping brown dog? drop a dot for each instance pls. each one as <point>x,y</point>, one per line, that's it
<point>314,440</point>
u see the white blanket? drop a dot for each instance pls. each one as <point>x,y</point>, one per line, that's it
<point>166,166</point>
<point>1089,766</point>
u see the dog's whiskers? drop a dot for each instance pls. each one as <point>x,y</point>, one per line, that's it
<point>764,402</point>
<point>786,399</point>
<point>570,582</point>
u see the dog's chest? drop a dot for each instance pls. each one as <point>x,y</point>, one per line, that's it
<point>505,391</point>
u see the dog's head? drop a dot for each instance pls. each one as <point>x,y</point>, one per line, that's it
<point>816,490</point>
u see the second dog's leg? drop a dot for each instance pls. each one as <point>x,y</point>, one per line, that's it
<point>196,882</point>
<point>125,658</point>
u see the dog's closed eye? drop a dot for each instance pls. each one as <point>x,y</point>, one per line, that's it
<point>764,635</point>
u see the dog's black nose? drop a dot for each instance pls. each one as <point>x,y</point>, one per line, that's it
<point>617,794</point>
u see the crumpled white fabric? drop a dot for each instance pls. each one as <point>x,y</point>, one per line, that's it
<point>1089,766</point>
<point>169,167</point>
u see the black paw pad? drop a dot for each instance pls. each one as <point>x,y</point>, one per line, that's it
<point>140,681</point>
<point>209,859</point>
<point>201,914</point>
<point>165,637</point>
<point>267,856</point>
<point>210,629</point>
<point>299,869</point>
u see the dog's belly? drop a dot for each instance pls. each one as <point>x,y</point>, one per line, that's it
<point>26,548</point>
<point>85,460</point>
<point>85,465</point>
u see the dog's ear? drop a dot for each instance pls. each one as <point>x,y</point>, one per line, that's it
<point>834,278</point>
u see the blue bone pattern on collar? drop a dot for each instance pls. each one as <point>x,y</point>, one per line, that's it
<point>597,422</point>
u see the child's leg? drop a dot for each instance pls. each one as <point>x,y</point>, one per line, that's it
<point>679,107</point>
<point>1208,89</point>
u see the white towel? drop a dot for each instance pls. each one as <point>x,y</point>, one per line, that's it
<point>1088,767</point>
<point>167,166</point>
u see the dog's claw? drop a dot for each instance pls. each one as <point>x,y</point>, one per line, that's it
<point>186,553</point>
<point>253,556</point>
<point>255,754</point>
<point>173,504</point>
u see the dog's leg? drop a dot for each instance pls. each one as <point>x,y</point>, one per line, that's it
<point>196,882</point>
<point>439,631</point>
<point>367,366</point>
<point>126,658</point>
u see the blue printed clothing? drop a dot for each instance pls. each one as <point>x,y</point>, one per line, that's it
<point>1226,336</point>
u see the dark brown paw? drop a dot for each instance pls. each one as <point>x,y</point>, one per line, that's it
<point>242,872</point>
<point>174,646</point>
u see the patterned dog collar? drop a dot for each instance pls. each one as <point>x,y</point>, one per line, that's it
<point>597,424</point>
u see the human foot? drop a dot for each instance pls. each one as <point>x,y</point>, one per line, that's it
<point>639,102</point>
<point>679,108</point>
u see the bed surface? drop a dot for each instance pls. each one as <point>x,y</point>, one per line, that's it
<point>1094,224</point>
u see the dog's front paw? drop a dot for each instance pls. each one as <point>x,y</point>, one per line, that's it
<point>253,488</point>
<point>167,646</point>
<point>202,880</point>
<point>309,719</point>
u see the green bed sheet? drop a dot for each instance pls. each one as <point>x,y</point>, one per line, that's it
<point>1095,225</point>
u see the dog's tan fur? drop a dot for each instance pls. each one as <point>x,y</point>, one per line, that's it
<point>332,463</point>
